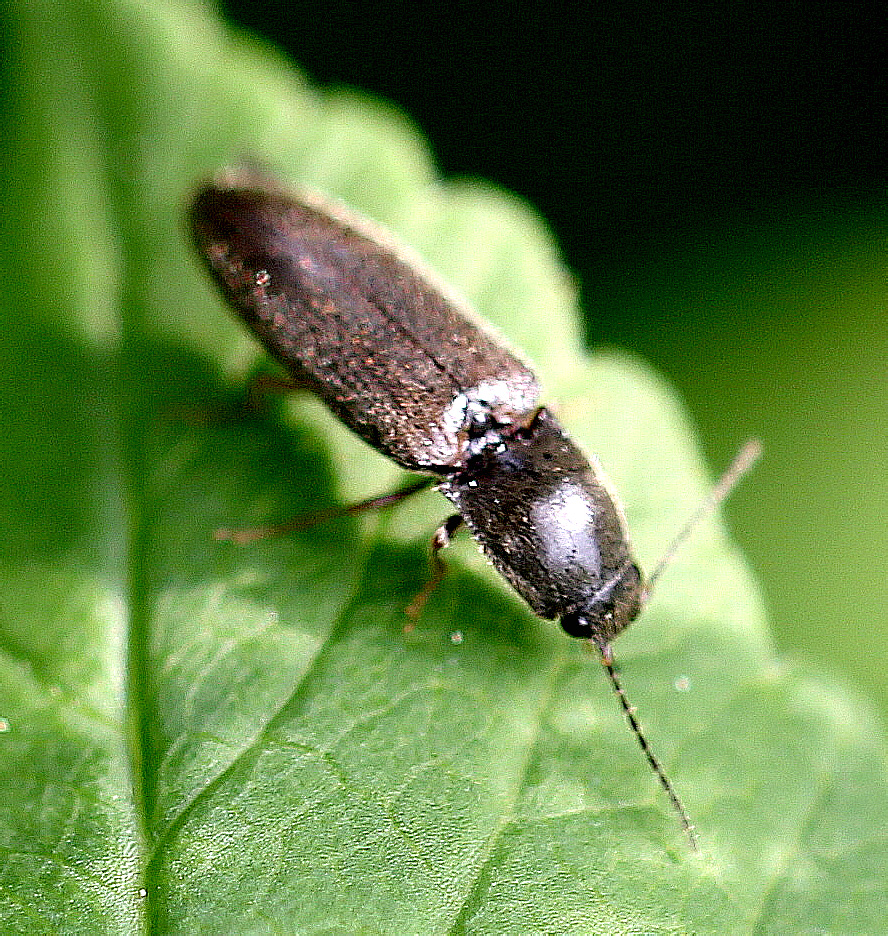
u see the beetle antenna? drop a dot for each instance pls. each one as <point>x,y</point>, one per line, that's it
<point>607,661</point>
<point>743,461</point>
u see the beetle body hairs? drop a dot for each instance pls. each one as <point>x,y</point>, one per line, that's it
<point>356,319</point>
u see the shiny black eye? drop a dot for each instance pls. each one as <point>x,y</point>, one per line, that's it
<point>576,625</point>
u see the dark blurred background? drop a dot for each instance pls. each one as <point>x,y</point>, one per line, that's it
<point>716,177</point>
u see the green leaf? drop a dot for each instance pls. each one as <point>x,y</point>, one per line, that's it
<point>199,738</point>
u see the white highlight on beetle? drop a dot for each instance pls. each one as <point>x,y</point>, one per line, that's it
<point>569,522</point>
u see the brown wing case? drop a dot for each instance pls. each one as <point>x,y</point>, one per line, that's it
<point>343,310</point>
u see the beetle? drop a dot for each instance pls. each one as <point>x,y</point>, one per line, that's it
<point>354,317</point>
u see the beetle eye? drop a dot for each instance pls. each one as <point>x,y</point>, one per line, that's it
<point>576,625</point>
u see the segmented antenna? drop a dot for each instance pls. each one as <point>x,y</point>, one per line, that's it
<point>656,766</point>
<point>744,460</point>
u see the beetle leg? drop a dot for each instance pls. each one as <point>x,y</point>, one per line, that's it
<point>442,538</point>
<point>304,521</point>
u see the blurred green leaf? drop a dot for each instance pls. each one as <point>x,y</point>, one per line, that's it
<point>196,738</point>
